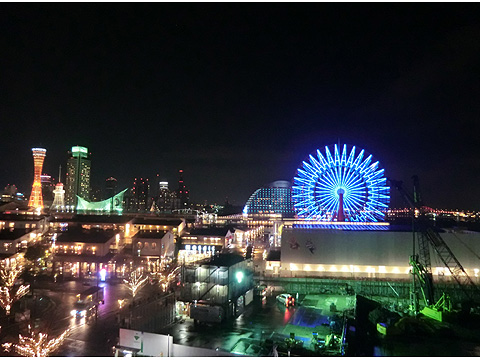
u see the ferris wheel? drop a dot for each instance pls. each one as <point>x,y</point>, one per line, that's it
<point>341,187</point>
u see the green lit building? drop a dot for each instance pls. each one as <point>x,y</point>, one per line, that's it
<point>77,183</point>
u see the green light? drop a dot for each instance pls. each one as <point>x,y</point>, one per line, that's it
<point>239,276</point>
<point>112,204</point>
<point>79,151</point>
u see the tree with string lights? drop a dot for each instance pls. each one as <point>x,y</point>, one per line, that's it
<point>36,345</point>
<point>136,281</point>
<point>8,277</point>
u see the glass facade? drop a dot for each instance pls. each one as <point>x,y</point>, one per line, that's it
<point>273,199</point>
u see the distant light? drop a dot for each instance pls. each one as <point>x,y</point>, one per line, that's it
<point>239,276</point>
<point>103,274</point>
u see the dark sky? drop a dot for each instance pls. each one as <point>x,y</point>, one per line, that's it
<point>237,95</point>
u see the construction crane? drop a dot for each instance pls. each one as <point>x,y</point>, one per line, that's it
<point>425,236</point>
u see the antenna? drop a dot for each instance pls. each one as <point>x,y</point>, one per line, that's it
<point>60,174</point>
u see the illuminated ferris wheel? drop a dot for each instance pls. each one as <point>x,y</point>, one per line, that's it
<point>342,187</point>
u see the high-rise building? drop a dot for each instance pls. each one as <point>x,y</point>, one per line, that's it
<point>110,187</point>
<point>36,198</point>
<point>78,175</point>
<point>59,199</point>
<point>165,200</point>
<point>182,194</point>
<point>47,189</point>
<point>139,198</point>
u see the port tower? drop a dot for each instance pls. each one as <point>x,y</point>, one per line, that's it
<point>36,198</point>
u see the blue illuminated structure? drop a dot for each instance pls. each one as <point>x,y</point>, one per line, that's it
<point>341,187</point>
<point>275,198</point>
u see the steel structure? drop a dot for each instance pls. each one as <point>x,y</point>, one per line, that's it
<point>345,186</point>
<point>36,198</point>
<point>424,236</point>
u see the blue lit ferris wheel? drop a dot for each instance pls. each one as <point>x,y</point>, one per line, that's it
<point>342,187</point>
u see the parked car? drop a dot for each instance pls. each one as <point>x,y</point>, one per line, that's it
<point>286,299</point>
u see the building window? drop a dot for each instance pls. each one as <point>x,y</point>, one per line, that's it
<point>139,245</point>
<point>146,245</point>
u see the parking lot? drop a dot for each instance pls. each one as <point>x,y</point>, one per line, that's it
<point>265,323</point>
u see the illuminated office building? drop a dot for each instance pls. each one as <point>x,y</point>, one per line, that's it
<point>165,200</point>
<point>78,176</point>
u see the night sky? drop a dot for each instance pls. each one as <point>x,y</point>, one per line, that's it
<point>238,95</point>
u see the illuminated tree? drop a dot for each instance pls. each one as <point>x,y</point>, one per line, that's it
<point>8,277</point>
<point>36,345</point>
<point>7,299</point>
<point>166,279</point>
<point>136,281</point>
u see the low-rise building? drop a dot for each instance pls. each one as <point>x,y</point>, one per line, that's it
<point>153,223</point>
<point>153,248</point>
<point>14,240</point>
<point>203,243</point>
<point>217,288</point>
<point>81,253</point>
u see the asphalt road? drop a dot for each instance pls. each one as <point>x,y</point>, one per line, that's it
<point>52,304</point>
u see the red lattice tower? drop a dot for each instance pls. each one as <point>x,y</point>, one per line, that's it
<point>36,198</point>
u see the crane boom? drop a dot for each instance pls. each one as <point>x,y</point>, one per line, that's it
<point>427,235</point>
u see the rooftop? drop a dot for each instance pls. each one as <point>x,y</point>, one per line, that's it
<point>76,234</point>
<point>225,260</point>
<point>213,231</point>
<point>13,234</point>
<point>110,219</point>
<point>157,221</point>
<point>20,217</point>
<point>149,235</point>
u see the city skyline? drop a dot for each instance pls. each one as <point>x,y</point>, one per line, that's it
<point>238,95</point>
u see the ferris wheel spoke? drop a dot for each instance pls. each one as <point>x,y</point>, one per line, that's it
<point>359,158</point>
<point>364,164</point>
<point>349,175</point>
<point>329,203</point>
<point>315,163</point>
<point>329,179</point>
<point>343,160</point>
<point>351,157</point>
<point>338,177</point>
<point>356,201</point>
<point>353,180</point>
<point>337,156</point>
<point>330,161</point>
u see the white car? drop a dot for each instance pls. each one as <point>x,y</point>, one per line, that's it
<point>286,299</point>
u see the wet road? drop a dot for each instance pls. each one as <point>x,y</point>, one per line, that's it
<point>94,336</point>
<point>259,322</point>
